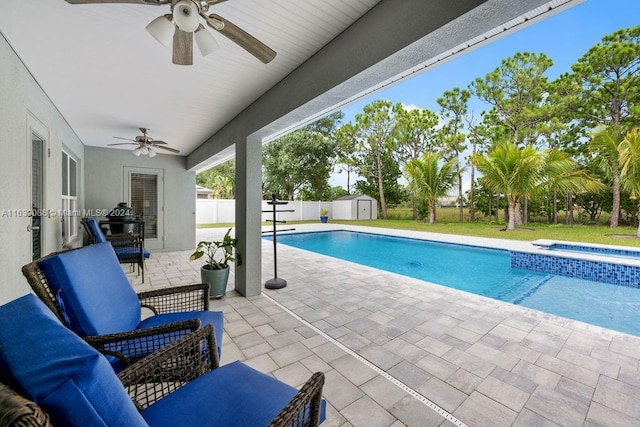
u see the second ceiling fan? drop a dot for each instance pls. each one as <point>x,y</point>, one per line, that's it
<point>146,144</point>
<point>182,25</point>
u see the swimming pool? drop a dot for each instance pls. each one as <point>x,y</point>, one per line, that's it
<point>482,271</point>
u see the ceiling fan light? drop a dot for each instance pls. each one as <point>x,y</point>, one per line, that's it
<point>162,29</point>
<point>136,151</point>
<point>144,150</point>
<point>152,153</point>
<point>206,42</point>
<point>186,15</point>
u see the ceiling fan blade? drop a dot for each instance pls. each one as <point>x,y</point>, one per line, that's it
<point>243,39</point>
<point>126,139</point>
<point>182,47</point>
<point>123,143</point>
<point>155,141</point>
<point>149,2</point>
<point>213,2</point>
<point>173,150</point>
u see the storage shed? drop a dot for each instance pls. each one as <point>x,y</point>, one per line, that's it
<point>355,206</point>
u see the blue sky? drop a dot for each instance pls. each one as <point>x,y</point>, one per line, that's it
<point>564,38</point>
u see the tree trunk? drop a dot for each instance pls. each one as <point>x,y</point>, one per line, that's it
<point>525,216</point>
<point>414,202</point>
<point>569,218</point>
<point>383,202</point>
<point>638,232</point>
<point>513,208</point>
<point>554,215</point>
<point>432,212</point>
<point>516,212</point>
<point>615,208</point>
<point>490,207</point>
<point>472,205</point>
<point>461,205</point>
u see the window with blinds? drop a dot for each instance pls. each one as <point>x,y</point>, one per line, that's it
<point>69,198</point>
<point>144,200</point>
<point>37,186</point>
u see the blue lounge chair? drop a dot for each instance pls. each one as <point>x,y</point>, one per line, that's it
<point>88,291</point>
<point>74,384</point>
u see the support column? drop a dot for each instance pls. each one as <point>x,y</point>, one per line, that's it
<point>248,216</point>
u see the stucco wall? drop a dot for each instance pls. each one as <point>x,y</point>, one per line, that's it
<point>23,105</point>
<point>105,183</point>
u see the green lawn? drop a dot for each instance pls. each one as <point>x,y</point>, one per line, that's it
<point>447,223</point>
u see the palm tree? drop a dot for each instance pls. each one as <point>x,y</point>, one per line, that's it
<point>432,178</point>
<point>605,141</point>
<point>520,172</point>
<point>629,151</point>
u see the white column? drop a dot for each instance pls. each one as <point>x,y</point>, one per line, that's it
<point>248,216</point>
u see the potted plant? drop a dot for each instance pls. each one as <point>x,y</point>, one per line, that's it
<point>215,270</point>
<point>324,215</point>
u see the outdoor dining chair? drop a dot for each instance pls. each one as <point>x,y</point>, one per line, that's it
<point>58,376</point>
<point>129,248</point>
<point>88,291</point>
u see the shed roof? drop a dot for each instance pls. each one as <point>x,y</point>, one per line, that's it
<point>355,196</point>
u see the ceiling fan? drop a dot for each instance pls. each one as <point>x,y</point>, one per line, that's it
<point>182,25</point>
<point>145,144</point>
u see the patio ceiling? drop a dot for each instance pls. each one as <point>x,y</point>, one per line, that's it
<point>109,77</point>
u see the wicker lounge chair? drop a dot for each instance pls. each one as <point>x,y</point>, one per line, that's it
<point>17,411</point>
<point>179,385</point>
<point>88,291</point>
<point>129,248</point>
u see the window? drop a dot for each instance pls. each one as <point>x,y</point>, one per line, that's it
<point>69,198</point>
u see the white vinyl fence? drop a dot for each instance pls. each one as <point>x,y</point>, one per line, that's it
<point>212,211</point>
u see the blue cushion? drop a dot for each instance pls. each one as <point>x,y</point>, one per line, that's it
<point>214,318</point>
<point>231,395</point>
<point>97,234</point>
<point>127,252</point>
<point>146,254</point>
<point>52,366</point>
<point>98,298</point>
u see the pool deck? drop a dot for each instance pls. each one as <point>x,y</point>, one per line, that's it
<point>399,351</point>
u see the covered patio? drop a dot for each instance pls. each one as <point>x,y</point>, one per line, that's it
<point>74,76</point>
<point>398,351</point>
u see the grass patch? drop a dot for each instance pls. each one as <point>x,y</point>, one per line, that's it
<point>623,236</point>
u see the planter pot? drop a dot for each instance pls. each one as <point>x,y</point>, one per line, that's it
<point>217,279</point>
<point>324,219</point>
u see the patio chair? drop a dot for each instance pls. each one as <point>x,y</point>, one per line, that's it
<point>88,291</point>
<point>129,248</point>
<point>75,385</point>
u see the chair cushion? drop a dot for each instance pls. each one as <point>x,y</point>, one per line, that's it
<point>50,365</point>
<point>97,234</point>
<point>128,253</point>
<point>231,395</point>
<point>215,318</point>
<point>98,298</point>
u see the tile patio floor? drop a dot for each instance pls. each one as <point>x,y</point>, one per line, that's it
<point>398,351</point>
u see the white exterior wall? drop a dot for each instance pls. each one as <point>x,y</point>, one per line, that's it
<point>105,184</point>
<point>23,105</point>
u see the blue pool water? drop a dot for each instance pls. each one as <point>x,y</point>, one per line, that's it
<point>481,271</point>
